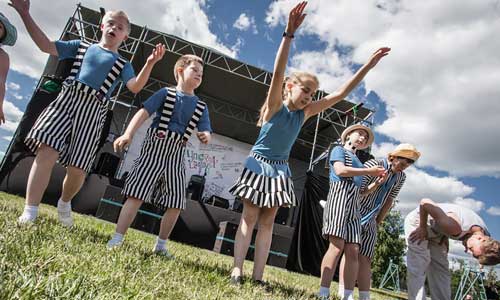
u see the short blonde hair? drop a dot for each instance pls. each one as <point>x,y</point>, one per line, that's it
<point>185,61</point>
<point>491,253</point>
<point>117,13</point>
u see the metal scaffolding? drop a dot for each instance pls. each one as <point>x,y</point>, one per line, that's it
<point>84,24</point>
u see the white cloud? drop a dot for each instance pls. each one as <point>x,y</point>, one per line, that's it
<point>245,23</point>
<point>440,82</point>
<point>8,138</point>
<point>12,116</point>
<point>13,86</point>
<point>494,211</point>
<point>173,17</point>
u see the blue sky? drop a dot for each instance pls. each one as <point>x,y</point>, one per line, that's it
<point>437,89</point>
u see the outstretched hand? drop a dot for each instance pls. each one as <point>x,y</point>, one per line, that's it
<point>296,17</point>
<point>157,53</point>
<point>377,56</point>
<point>21,6</point>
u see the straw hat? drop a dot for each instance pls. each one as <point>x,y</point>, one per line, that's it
<point>407,151</point>
<point>351,128</point>
<point>10,36</point>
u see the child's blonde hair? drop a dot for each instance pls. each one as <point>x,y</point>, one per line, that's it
<point>117,13</point>
<point>185,61</point>
<point>491,253</point>
<point>295,78</point>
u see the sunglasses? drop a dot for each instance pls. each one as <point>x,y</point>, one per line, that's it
<point>406,160</point>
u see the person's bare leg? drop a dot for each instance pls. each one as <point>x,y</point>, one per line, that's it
<point>364,277</point>
<point>40,172</point>
<point>263,240</point>
<point>127,215</point>
<point>351,253</point>
<point>168,222</point>
<point>329,262</point>
<point>38,181</point>
<point>244,235</point>
<point>73,182</point>
<point>340,291</point>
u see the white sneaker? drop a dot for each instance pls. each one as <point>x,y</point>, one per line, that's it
<point>164,253</point>
<point>65,218</point>
<point>26,219</point>
<point>113,244</point>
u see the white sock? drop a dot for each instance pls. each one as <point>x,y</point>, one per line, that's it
<point>348,295</point>
<point>63,206</point>
<point>364,295</point>
<point>118,237</point>
<point>324,291</point>
<point>30,212</point>
<point>160,244</point>
<point>340,292</point>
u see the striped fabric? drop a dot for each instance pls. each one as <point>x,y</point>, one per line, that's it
<point>73,123</point>
<point>341,216</point>
<point>368,205</point>
<point>159,174</point>
<point>368,239</point>
<point>341,213</point>
<point>168,108</point>
<point>264,191</point>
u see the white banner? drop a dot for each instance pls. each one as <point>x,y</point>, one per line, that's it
<point>222,160</point>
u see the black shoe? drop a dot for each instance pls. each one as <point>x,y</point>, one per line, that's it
<point>236,280</point>
<point>265,285</point>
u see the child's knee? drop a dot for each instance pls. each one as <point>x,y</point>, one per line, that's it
<point>351,252</point>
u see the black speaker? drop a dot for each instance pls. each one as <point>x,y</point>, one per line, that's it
<point>282,215</point>
<point>218,201</point>
<point>196,186</point>
<point>107,164</point>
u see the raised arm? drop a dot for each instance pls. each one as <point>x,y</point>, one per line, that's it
<point>136,84</point>
<point>38,36</point>
<point>274,97</point>
<point>330,100</point>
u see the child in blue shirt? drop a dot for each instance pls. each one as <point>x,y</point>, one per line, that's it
<point>341,219</point>
<point>69,129</point>
<point>266,181</point>
<point>159,176</point>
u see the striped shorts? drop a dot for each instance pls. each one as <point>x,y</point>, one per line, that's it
<point>72,125</point>
<point>159,174</point>
<point>341,216</point>
<point>368,239</point>
<point>262,190</point>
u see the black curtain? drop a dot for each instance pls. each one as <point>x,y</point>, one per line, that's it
<point>308,246</point>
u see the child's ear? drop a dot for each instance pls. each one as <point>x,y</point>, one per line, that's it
<point>102,26</point>
<point>289,85</point>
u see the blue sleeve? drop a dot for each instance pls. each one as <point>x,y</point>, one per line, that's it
<point>337,154</point>
<point>204,123</point>
<point>67,49</point>
<point>155,101</point>
<point>127,72</point>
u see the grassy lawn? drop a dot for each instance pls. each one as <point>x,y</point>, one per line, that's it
<point>47,261</point>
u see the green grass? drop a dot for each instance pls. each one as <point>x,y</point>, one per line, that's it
<point>48,261</point>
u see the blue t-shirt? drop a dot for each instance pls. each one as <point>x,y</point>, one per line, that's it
<point>277,136</point>
<point>337,154</point>
<point>96,64</point>
<point>184,108</point>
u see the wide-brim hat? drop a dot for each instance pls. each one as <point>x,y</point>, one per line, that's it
<point>407,151</point>
<point>351,128</point>
<point>10,32</point>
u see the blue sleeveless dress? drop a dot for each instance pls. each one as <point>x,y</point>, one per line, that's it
<point>266,179</point>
